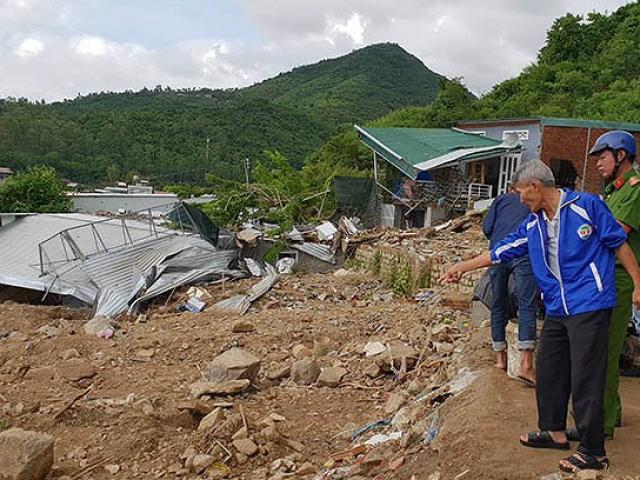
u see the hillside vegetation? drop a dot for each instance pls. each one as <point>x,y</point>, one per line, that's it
<point>162,133</point>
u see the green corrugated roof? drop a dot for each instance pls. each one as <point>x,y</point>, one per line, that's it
<point>407,147</point>
<point>561,122</point>
<point>604,124</point>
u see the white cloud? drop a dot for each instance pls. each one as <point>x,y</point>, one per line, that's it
<point>92,46</point>
<point>482,42</point>
<point>29,47</point>
<point>353,27</point>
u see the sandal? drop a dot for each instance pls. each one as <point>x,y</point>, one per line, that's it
<point>580,461</point>
<point>526,381</point>
<point>573,435</point>
<point>543,440</point>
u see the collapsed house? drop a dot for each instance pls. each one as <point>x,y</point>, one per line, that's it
<point>116,264</point>
<point>437,172</point>
<point>112,264</point>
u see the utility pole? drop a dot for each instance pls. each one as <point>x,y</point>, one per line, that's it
<point>246,170</point>
<point>207,161</point>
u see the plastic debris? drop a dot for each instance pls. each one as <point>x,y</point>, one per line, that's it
<point>374,348</point>
<point>432,430</point>
<point>195,305</point>
<point>463,379</point>
<point>380,438</point>
<point>285,265</point>
<point>326,231</point>
<point>370,426</point>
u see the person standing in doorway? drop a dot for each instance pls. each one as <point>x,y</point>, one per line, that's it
<point>615,154</point>
<point>504,216</point>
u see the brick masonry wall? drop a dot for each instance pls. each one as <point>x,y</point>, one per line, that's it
<point>564,143</point>
<point>435,265</point>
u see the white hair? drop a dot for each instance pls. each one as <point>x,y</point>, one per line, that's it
<point>534,170</point>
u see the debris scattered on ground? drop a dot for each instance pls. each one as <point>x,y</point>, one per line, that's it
<point>326,376</point>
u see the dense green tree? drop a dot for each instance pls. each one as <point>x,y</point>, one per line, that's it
<point>38,189</point>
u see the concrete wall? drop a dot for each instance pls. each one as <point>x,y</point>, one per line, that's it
<point>496,132</point>
<point>113,202</point>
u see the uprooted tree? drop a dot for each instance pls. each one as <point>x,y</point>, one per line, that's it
<point>278,193</point>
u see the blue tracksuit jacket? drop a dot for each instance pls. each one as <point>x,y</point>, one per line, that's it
<point>588,236</point>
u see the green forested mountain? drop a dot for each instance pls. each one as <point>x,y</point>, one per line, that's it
<point>589,67</point>
<point>162,133</point>
<point>357,87</point>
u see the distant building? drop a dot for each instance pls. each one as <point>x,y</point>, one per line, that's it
<point>5,173</point>
<point>561,143</point>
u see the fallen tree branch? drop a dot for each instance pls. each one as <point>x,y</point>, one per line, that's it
<point>71,402</point>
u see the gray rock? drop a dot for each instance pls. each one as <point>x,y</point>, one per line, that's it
<point>201,462</point>
<point>230,387</point>
<point>234,364</point>
<point>278,373</point>
<point>243,326</point>
<point>305,371</point>
<point>211,420</point>
<point>394,403</point>
<point>25,455</point>
<point>331,377</point>
<point>99,326</point>
<point>246,446</point>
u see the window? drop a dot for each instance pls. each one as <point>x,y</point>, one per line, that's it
<point>523,135</point>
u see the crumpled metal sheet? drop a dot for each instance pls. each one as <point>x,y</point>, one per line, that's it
<point>152,268</point>
<point>214,266</point>
<point>241,303</point>
<point>316,250</point>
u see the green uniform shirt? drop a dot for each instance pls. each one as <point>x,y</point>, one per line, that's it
<point>623,199</point>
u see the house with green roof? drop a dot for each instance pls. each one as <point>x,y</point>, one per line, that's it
<point>561,143</point>
<point>446,168</point>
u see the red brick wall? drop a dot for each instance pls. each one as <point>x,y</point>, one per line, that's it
<point>564,143</point>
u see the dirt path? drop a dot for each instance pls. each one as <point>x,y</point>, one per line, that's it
<point>482,428</point>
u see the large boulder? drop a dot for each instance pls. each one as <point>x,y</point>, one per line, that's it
<point>305,371</point>
<point>234,364</point>
<point>25,455</point>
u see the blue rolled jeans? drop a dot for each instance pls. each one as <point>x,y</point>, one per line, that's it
<point>527,291</point>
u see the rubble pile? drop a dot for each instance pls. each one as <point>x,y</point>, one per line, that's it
<point>425,253</point>
<point>327,376</point>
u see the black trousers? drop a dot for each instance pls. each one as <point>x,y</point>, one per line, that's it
<point>572,361</point>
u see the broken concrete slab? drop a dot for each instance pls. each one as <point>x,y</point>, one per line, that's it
<point>75,369</point>
<point>25,455</point>
<point>234,364</point>
<point>246,446</point>
<point>305,371</point>
<point>230,387</point>
<point>331,377</point>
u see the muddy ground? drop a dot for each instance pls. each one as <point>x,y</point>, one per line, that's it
<point>139,420</point>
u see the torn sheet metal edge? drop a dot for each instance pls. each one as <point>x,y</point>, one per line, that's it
<point>241,303</point>
<point>316,250</point>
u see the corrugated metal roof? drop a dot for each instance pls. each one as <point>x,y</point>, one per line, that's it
<point>558,122</point>
<point>241,303</point>
<point>317,250</point>
<point>412,150</point>
<point>111,280</point>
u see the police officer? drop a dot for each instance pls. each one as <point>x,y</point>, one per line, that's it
<point>615,153</point>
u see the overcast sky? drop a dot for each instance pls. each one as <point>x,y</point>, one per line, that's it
<point>53,49</point>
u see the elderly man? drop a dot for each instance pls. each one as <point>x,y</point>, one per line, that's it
<point>615,154</point>
<point>571,240</point>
